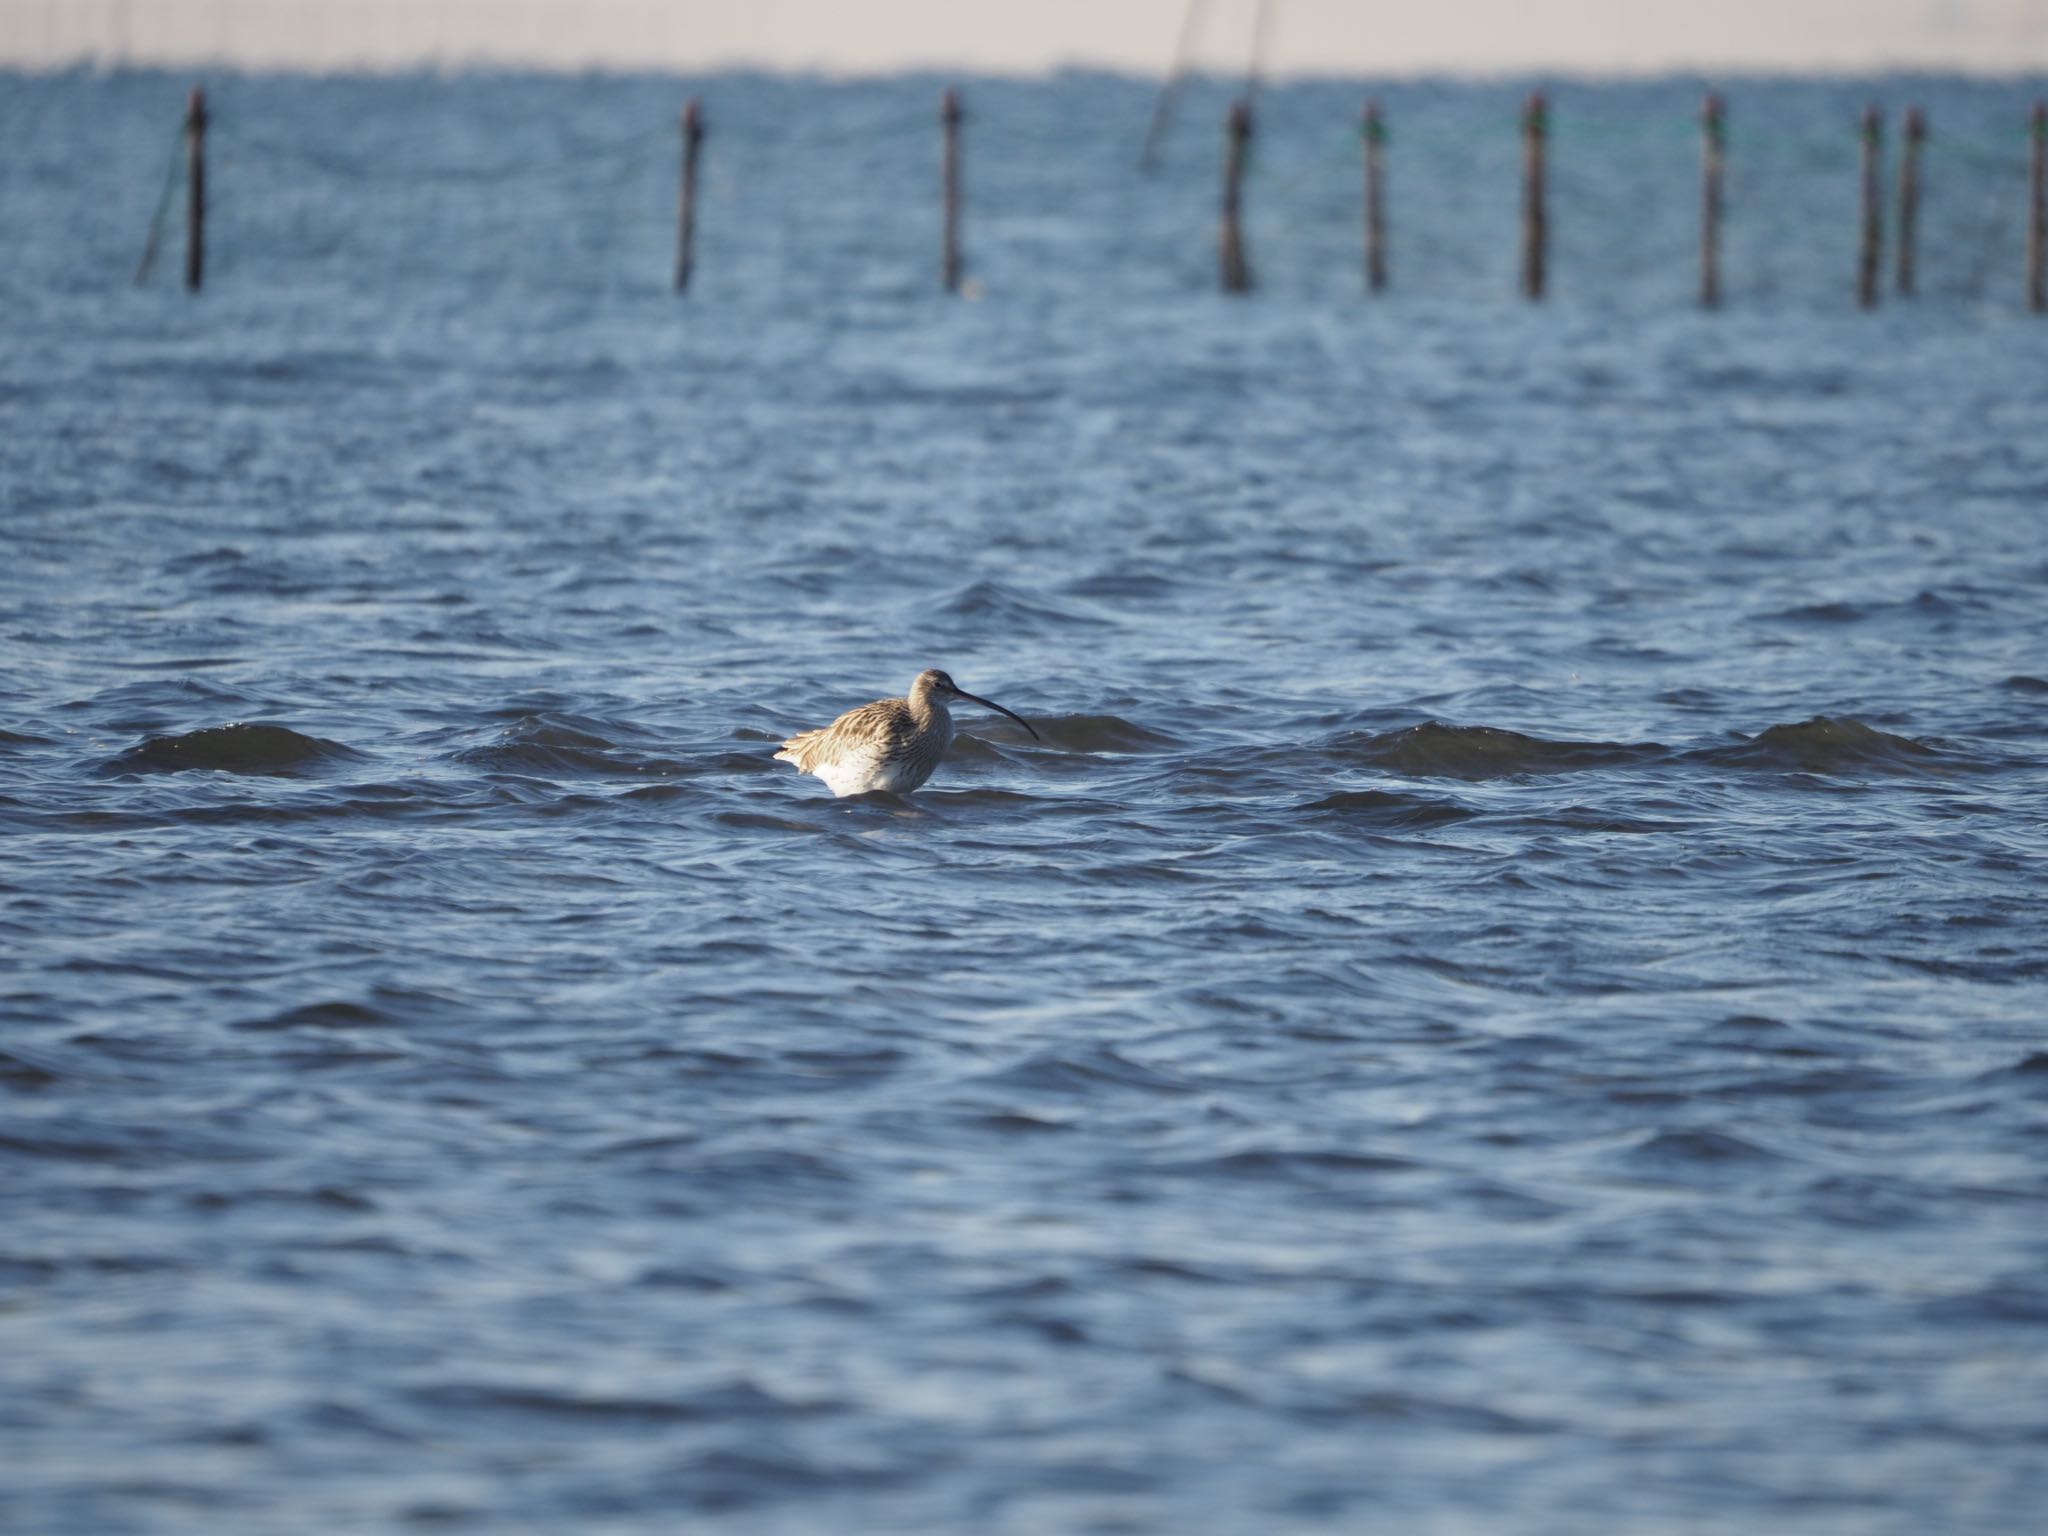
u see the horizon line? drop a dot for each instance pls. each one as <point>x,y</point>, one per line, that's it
<point>487,63</point>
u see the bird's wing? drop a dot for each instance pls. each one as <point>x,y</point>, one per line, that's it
<point>871,728</point>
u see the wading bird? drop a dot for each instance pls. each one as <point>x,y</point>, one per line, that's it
<point>891,744</point>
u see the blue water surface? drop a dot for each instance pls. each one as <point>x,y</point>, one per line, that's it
<point>1509,999</point>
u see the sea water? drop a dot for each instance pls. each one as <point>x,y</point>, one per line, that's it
<point>1510,997</point>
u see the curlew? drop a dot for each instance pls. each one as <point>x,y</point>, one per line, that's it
<point>891,744</point>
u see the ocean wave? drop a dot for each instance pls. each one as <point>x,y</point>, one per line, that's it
<point>1697,1150</point>
<point>989,743</point>
<point>1475,752</point>
<point>1319,1165</point>
<point>1385,808</point>
<point>251,748</point>
<point>19,1073</point>
<point>1084,1070</point>
<point>1435,750</point>
<point>1821,613</point>
<point>993,605</point>
<point>337,1014</point>
<point>1108,734</point>
<point>1827,745</point>
<point>721,1403</point>
<point>988,797</point>
<point>2031,1070</point>
<point>563,746</point>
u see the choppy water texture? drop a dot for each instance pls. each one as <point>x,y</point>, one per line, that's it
<point>1510,998</point>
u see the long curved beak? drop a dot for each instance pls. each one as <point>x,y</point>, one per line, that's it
<point>975,698</point>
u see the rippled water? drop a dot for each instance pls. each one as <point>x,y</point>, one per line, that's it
<point>1509,999</point>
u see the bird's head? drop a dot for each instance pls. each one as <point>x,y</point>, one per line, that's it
<point>936,687</point>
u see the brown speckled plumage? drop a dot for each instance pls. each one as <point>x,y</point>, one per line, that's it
<point>891,744</point>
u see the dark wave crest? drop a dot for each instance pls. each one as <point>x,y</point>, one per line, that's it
<point>1101,733</point>
<point>1825,745</point>
<point>240,748</point>
<point>1384,808</point>
<point>992,606</point>
<point>563,746</point>
<point>1436,750</point>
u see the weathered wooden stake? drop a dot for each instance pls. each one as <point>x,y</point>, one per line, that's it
<point>1237,270</point>
<point>1713,153</point>
<point>1375,134</point>
<point>1871,247</point>
<point>1913,136</point>
<point>1535,220</point>
<point>686,200</point>
<point>950,265</point>
<point>195,191</point>
<point>2037,212</point>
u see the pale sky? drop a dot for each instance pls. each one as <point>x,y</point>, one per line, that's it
<point>1347,37</point>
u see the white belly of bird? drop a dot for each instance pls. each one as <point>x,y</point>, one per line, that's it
<point>866,772</point>
<point>869,766</point>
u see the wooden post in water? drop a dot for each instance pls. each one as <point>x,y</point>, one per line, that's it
<point>1871,247</point>
<point>1535,218</point>
<point>1912,137</point>
<point>950,265</point>
<point>2037,211</point>
<point>1236,268</point>
<point>195,191</point>
<point>686,201</point>
<point>1375,134</point>
<point>1713,151</point>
